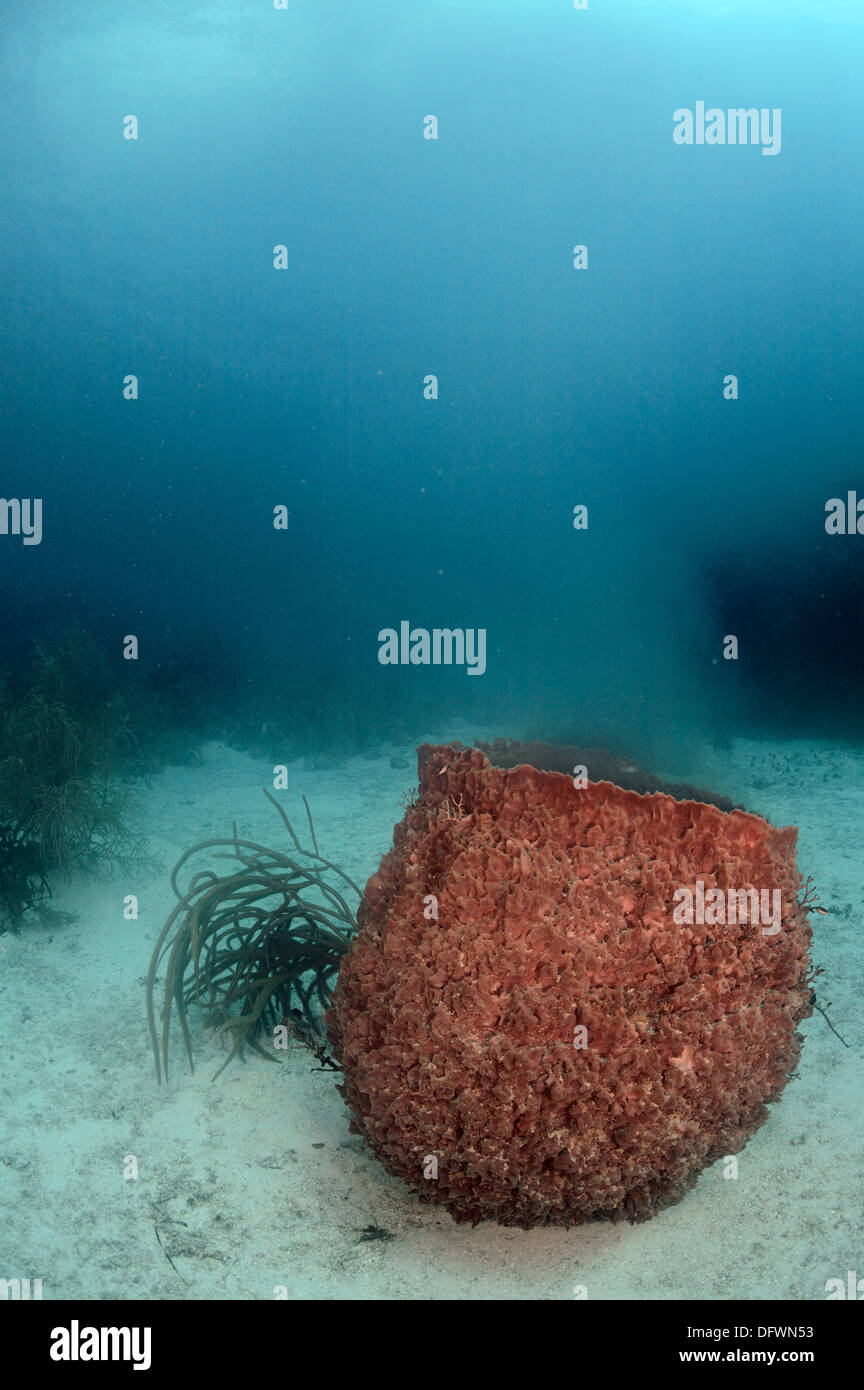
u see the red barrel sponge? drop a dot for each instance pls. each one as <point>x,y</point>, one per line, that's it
<point>555,1009</point>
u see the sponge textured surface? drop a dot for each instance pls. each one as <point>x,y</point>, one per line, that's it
<point>553,1047</point>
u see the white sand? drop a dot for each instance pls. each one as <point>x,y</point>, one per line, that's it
<point>254,1182</point>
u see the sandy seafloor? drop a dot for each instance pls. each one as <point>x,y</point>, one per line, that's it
<point>253,1183</point>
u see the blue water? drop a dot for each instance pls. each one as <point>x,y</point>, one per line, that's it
<point>406,257</point>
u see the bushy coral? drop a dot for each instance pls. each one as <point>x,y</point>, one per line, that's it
<point>63,736</point>
<point>23,886</point>
<point>515,911</point>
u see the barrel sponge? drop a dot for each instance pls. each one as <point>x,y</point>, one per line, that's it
<point>514,911</point>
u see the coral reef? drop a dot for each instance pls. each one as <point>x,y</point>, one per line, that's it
<point>527,1033</point>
